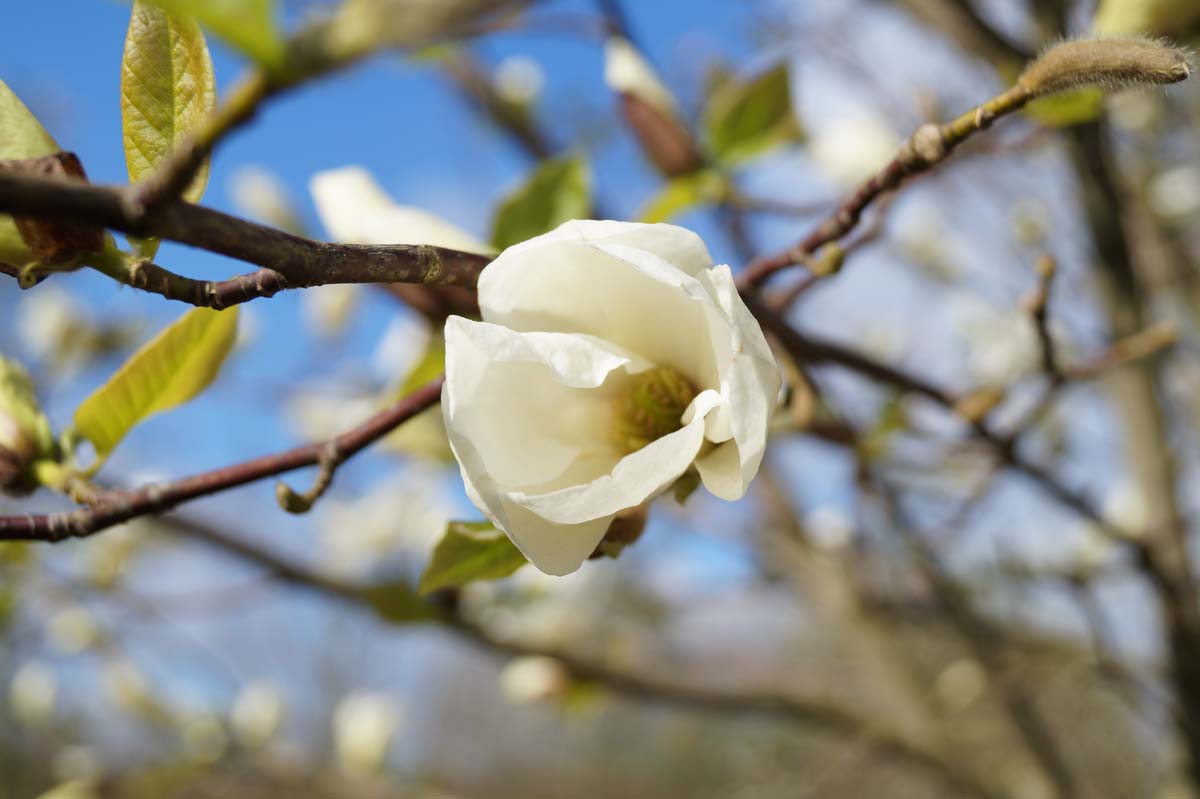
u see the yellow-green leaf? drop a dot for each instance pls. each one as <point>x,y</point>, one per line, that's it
<point>167,88</point>
<point>470,551</point>
<point>1068,108</point>
<point>396,602</point>
<point>744,118</point>
<point>21,136</point>
<point>247,25</point>
<point>1158,17</point>
<point>558,190</point>
<point>170,369</point>
<point>683,193</point>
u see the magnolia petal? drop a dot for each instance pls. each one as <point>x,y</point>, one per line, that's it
<point>630,297</point>
<point>556,549</point>
<point>355,209</point>
<point>637,477</point>
<point>750,384</point>
<point>721,472</point>
<point>676,245</point>
<point>553,548</point>
<point>534,405</point>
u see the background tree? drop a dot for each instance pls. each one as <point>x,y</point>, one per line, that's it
<point>965,567</point>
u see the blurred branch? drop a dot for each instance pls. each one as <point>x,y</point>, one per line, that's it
<point>927,147</point>
<point>959,22</point>
<point>982,639</point>
<point>113,507</point>
<point>793,710</point>
<point>516,121</point>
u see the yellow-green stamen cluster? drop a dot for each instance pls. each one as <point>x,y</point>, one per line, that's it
<point>653,407</point>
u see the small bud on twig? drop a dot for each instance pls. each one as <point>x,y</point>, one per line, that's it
<point>1112,63</point>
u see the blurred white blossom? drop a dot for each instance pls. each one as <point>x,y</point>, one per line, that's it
<point>32,693</point>
<point>1093,549</point>
<point>318,415</point>
<point>519,80</point>
<point>626,71</point>
<point>850,149</point>
<point>327,309</point>
<point>72,629</point>
<point>1175,193</point>
<point>257,713</point>
<point>261,195</point>
<point>1127,508</point>
<point>356,210</point>
<point>401,346</point>
<point>404,513</point>
<point>829,527</point>
<point>1002,346</point>
<point>363,727</point>
<point>125,686</point>
<point>533,678</point>
<point>48,321</point>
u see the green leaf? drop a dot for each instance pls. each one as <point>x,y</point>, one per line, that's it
<point>558,190</point>
<point>170,369</point>
<point>470,551</point>
<point>21,136</point>
<point>683,193</point>
<point>167,87</point>
<point>247,25</point>
<point>745,118</point>
<point>397,603</point>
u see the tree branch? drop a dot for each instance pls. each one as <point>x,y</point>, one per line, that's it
<point>114,507</point>
<point>298,262</point>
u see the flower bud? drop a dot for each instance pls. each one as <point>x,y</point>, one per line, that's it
<point>24,432</point>
<point>1113,63</point>
<point>650,109</point>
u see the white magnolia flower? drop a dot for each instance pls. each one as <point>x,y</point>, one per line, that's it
<point>363,727</point>
<point>355,210</point>
<point>612,357</point>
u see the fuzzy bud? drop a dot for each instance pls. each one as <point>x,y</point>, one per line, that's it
<point>1112,63</point>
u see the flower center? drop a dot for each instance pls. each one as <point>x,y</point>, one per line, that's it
<point>652,408</point>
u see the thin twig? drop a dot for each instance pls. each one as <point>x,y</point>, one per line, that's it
<point>114,507</point>
<point>927,147</point>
